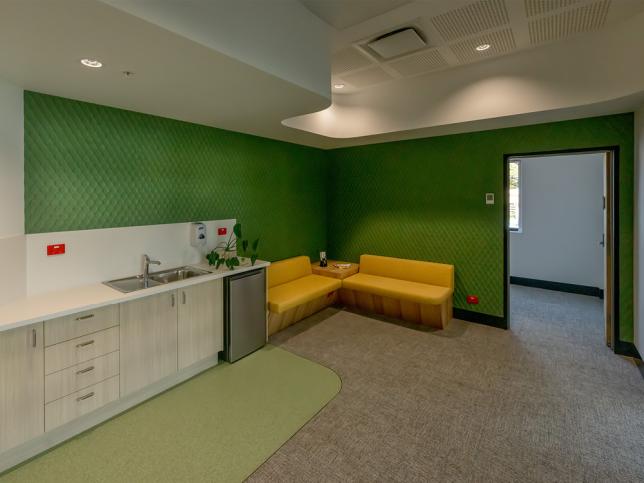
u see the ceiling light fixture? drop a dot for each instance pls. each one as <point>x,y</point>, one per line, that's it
<point>338,86</point>
<point>482,47</point>
<point>95,64</point>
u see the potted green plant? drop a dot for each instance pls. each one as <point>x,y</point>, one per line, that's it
<point>225,253</point>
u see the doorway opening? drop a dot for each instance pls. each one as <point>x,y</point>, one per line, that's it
<point>561,249</point>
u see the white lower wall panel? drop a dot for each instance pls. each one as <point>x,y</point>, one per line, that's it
<point>13,274</point>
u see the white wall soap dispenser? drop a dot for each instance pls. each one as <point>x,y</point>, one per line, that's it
<point>198,235</point>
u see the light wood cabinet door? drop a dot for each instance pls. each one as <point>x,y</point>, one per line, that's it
<point>148,340</point>
<point>22,382</point>
<point>201,322</point>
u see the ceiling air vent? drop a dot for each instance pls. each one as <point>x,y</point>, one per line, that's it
<point>397,43</point>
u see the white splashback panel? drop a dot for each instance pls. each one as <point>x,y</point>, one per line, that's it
<point>98,255</point>
<point>12,271</point>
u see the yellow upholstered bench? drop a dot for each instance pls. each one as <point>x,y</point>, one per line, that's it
<point>411,290</point>
<point>295,293</point>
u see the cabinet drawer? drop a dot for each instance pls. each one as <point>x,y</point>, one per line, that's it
<point>72,379</point>
<point>82,349</point>
<point>81,402</point>
<point>79,324</point>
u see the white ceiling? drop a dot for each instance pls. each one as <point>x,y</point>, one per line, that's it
<point>266,67</point>
<point>549,60</point>
<point>341,14</point>
<point>280,37</point>
<point>181,70</point>
<point>595,69</point>
<point>453,29</point>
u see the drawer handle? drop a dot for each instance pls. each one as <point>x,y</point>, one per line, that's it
<point>85,344</point>
<point>86,396</point>
<point>85,317</point>
<point>86,370</point>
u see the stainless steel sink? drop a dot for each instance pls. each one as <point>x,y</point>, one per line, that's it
<point>131,284</point>
<point>138,282</point>
<point>176,274</point>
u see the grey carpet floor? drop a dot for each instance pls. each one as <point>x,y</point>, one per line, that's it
<point>545,401</point>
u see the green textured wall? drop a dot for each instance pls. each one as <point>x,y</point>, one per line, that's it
<point>425,199</point>
<point>89,166</point>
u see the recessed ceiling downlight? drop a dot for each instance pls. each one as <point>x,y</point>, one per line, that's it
<point>482,47</point>
<point>338,86</point>
<point>93,63</point>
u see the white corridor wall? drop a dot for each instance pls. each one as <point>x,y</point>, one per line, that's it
<point>562,220</point>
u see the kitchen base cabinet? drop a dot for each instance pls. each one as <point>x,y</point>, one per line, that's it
<point>22,378</point>
<point>71,372</point>
<point>148,348</point>
<point>201,322</point>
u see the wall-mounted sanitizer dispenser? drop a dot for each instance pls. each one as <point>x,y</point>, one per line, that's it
<point>198,235</point>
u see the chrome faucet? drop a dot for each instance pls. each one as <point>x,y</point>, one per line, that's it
<point>146,269</point>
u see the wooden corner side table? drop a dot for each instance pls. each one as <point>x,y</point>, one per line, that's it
<point>336,272</point>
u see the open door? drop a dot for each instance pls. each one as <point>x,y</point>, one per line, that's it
<point>608,249</point>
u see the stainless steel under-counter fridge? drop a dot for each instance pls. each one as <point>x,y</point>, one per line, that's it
<point>245,314</point>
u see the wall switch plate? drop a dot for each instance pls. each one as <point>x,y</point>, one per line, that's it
<point>57,249</point>
<point>489,198</point>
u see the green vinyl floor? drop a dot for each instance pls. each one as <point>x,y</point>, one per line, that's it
<point>218,426</point>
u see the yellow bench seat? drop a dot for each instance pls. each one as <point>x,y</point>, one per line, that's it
<point>412,290</point>
<point>398,289</point>
<point>300,291</point>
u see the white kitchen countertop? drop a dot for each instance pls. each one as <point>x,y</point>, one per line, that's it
<point>38,308</point>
